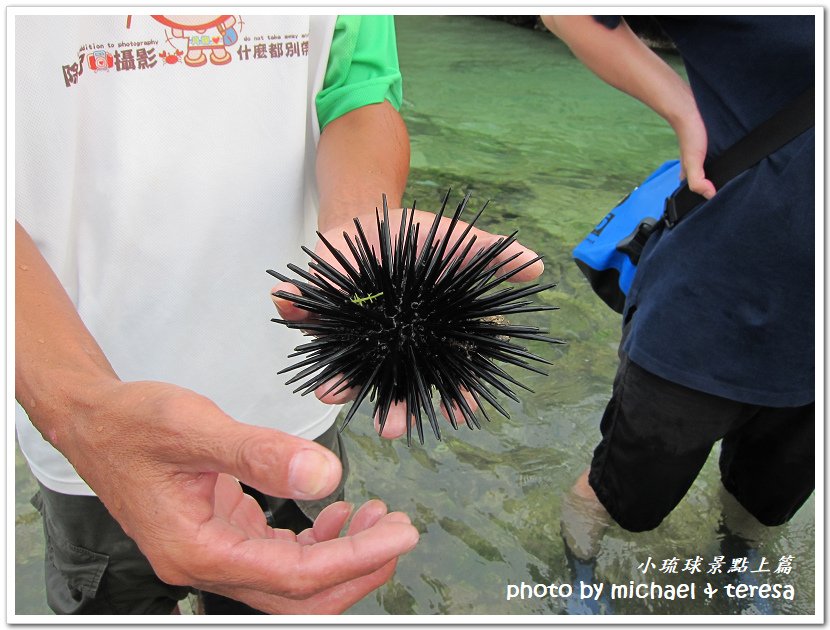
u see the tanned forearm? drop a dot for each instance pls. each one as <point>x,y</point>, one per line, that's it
<point>58,365</point>
<point>361,155</point>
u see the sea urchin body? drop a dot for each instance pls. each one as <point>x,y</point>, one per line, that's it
<point>403,322</point>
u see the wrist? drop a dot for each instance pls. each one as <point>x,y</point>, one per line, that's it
<point>64,404</point>
<point>681,111</point>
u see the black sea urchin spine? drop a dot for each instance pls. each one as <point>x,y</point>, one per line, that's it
<point>402,322</point>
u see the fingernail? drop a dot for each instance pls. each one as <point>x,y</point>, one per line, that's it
<point>532,253</point>
<point>414,537</point>
<point>309,472</point>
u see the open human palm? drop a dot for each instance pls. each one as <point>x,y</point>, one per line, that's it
<point>175,492</point>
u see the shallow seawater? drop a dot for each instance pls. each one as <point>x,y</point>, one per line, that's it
<point>508,114</point>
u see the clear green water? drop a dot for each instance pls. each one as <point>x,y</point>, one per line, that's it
<point>509,114</point>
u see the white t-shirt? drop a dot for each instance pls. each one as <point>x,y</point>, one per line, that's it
<point>163,164</point>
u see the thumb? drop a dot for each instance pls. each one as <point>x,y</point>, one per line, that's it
<point>526,264</point>
<point>285,307</point>
<point>696,179</point>
<point>269,460</point>
<point>529,261</point>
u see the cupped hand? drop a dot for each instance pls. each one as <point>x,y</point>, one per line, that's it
<point>397,418</point>
<point>166,466</point>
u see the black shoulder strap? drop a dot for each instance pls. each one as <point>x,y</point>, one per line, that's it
<point>766,138</point>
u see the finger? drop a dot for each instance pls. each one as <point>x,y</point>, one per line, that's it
<point>366,516</point>
<point>697,182</point>
<point>300,571</point>
<point>396,419</point>
<point>342,597</point>
<point>515,257</point>
<point>237,508</point>
<point>328,602</point>
<point>329,523</point>
<point>457,413</point>
<point>284,534</point>
<point>398,517</point>
<point>398,416</point>
<point>285,307</point>
<point>702,187</point>
<point>375,538</point>
<point>273,462</point>
<point>525,256</point>
<point>327,528</point>
<point>332,393</point>
<point>483,239</point>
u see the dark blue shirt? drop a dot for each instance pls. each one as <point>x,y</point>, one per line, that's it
<point>724,302</point>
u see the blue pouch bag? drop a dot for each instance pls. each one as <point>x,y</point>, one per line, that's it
<point>608,255</point>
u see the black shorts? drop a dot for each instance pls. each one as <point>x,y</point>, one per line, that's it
<point>657,435</point>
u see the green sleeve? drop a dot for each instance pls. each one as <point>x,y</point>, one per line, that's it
<point>362,67</point>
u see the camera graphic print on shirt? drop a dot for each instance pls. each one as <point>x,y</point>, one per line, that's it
<point>152,42</point>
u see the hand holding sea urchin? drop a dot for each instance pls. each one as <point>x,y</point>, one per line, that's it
<point>401,323</point>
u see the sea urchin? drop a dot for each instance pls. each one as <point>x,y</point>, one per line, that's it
<point>401,323</point>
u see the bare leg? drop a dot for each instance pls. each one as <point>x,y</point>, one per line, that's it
<point>583,520</point>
